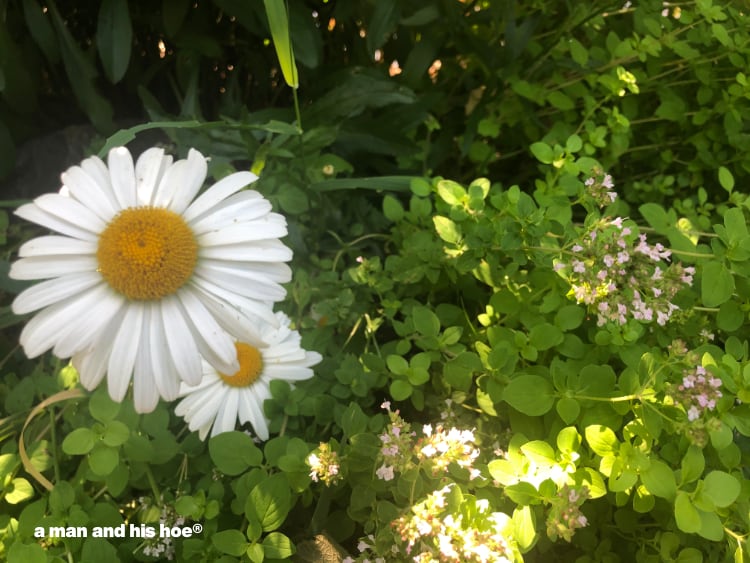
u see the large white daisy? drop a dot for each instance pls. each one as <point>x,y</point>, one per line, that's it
<point>143,278</point>
<point>219,400</point>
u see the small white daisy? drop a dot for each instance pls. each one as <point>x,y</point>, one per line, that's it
<point>144,278</point>
<point>220,400</point>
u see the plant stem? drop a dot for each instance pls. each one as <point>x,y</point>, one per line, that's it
<point>152,481</point>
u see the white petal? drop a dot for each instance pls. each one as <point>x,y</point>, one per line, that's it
<point>226,418</point>
<point>193,176</point>
<point>234,312</point>
<point>218,192</point>
<point>181,182</point>
<point>99,173</point>
<point>43,267</point>
<point>262,251</point>
<point>240,208</point>
<point>149,168</point>
<point>251,408</point>
<point>214,344</point>
<point>70,210</point>
<point>145,393</point>
<point>106,304</point>
<point>288,372</point>
<point>128,339</point>
<point>205,412</point>
<point>273,271</point>
<point>32,212</point>
<point>180,342</point>
<point>122,176</point>
<point>51,291</point>
<point>165,374</point>
<point>269,226</point>
<point>52,245</point>
<point>85,189</point>
<point>254,286</point>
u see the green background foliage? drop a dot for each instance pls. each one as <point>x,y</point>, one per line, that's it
<point>426,210</point>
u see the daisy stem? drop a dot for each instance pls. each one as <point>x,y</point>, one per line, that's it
<point>154,487</point>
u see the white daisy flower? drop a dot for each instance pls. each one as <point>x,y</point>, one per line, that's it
<point>219,400</point>
<point>142,279</point>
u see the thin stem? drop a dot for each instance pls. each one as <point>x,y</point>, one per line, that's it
<point>53,439</point>
<point>152,481</point>
<point>296,110</point>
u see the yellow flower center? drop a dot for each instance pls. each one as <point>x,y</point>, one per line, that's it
<point>251,366</point>
<point>147,252</point>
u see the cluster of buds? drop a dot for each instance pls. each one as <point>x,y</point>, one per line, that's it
<point>435,450</point>
<point>160,547</point>
<point>619,276</point>
<point>432,532</point>
<point>600,188</point>
<point>565,515</point>
<point>698,392</point>
<point>324,465</point>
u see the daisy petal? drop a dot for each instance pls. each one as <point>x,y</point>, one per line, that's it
<point>262,251</point>
<point>214,344</point>
<point>43,267</point>
<point>232,310</point>
<point>165,375</point>
<point>88,328</point>
<point>149,168</point>
<point>53,245</point>
<point>179,342</point>
<point>270,226</point>
<point>70,210</point>
<point>243,207</point>
<point>248,285</point>
<point>193,176</point>
<point>122,176</point>
<point>35,214</point>
<point>145,393</point>
<point>85,189</point>
<point>218,192</point>
<point>51,291</point>
<point>124,352</point>
<point>226,417</point>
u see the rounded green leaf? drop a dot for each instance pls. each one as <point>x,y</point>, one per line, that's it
<point>20,490</point>
<point>392,208</point>
<point>26,553</point>
<point>658,478</point>
<point>543,152</point>
<point>116,433</point>
<point>568,409</point>
<point>425,321</point>
<point>601,439</point>
<point>400,389</point>
<point>717,284</point>
<point>531,394</point>
<point>234,452</point>
<point>270,501</point>
<point>78,442</point>
<point>277,546</point>
<point>686,515</point>
<point>231,542</point>
<point>103,459</point>
<point>726,180</point>
<point>721,488</point>
<point>730,317</point>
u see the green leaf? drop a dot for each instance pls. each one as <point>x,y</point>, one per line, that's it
<point>568,409</point>
<point>425,321</point>
<point>231,542</point>
<point>721,488</point>
<point>451,192</point>
<point>173,13</point>
<point>717,284</point>
<point>277,546</point>
<point>98,549</point>
<point>560,100</point>
<point>18,491</point>
<point>711,526</point>
<point>540,452</point>
<point>26,553</point>
<point>524,529</point>
<point>114,37</point>
<point>293,200</point>
<point>278,21</point>
<point>397,364</point>
<point>102,407</point>
<point>41,30</point>
<point>116,433</point>
<point>692,465</point>
<point>545,336</point>
<point>103,459</point>
<point>79,442</point>
<point>543,152</point>
<point>270,501</point>
<point>530,394</point>
<point>447,229</point>
<point>400,390</point>
<point>726,180</point>
<point>354,420</point>
<point>578,52</point>
<point>392,209</point>
<point>686,515</point>
<point>659,480</point>
<point>234,452</point>
<point>61,497</point>
<point>601,440</point>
